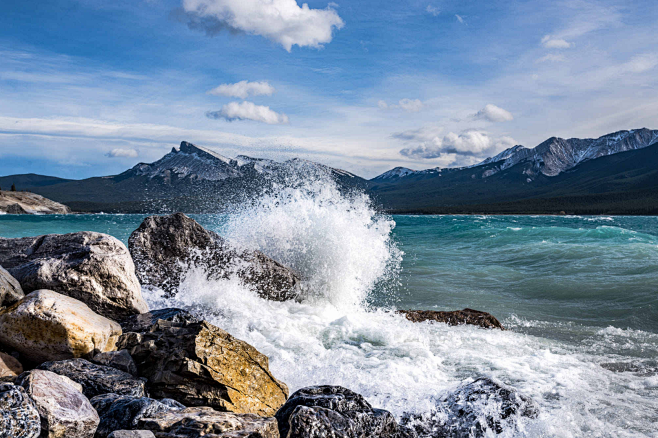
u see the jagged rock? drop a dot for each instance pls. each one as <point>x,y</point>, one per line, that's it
<point>333,411</point>
<point>19,417</point>
<point>46,325</point>
<point>456,317</point>
<point>143,322</point>
<point>10,289</point>
<point>64,411</point>
<point>131,434</point>
<point>475,409</point>
<point>206,422</point>
<point>199,364</point>
<point>121,360</point>
<point>10,367</point>
<point>92,267</point>
<point>125,412</point>
<point>97,379</point>
<point>164,246</point>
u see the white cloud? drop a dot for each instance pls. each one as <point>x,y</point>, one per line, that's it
<point>641,63</point>
<point>243,89</point>
<point>493,113</point>
<point>459,18</point>
<point>282,21</point>
<point>551,57</point>
<point>433,10</point>
<point>249,111</point>
<point>122,153</point>
<point>409,105</point>
<point>471,143</point>
<point>555,43</point>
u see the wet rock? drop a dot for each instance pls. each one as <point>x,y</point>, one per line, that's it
<point>10,367</point>
<point>121,360</point>
<point>19,417</point>
<point>456,317</point>
<point>199,364</point>
<point>207,422</point>
<point>92,267</point>
<point>46,325</point>
<point>475,409</point>
<point>131,434</point>
<point>164,246</point>
<point>64,411</point>
<point>118,412</point>
<point>10,289</point>
<point>143,322</point>
<point>97,379</point>
<point>333,411</point>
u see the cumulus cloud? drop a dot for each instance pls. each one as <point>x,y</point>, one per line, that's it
<point>409,105</point>
<point>122,153</point>
<point>493,113</point>
<point>433,10</point>
<point>248,111</point>
<point>282,21</point>
<point>470,143</point>
<point>243,89</point>
<point>555,43</point>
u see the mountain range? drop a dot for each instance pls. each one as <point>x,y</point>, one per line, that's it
<point>613,174</point>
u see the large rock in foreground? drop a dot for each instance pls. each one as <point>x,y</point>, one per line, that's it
<point>46,325</point>
<point>455,317</point>
<point>199,364</point>
<point>64,411</point>
<point>164,247</point>
<point>10,289</point>
<point>19,417</point>
<point>92,267</point>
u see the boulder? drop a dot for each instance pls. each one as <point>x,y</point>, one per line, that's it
<point>131,434</point>
<point>64,411</point>
<point>92,267</point>
<point>143,322</point>
<point>10,289</point>
<point>480,408</point>
<point>46,325</point>
<point>455,317</point>
<point>97,379</point>
<point>19,417</point>
<point>119,412</point>
<point>121,360</point>
<point>199,364</point>
<point>10,367</point>
<point>333,411</point>
<point>164,247</point>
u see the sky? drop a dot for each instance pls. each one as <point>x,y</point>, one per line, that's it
<point>93,87</point>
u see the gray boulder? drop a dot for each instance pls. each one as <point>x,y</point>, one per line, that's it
<point>97,379</point>
<point>164,247</point>
<point>64,411</point>
<point>131,434</point>
<point>121,360</point>
<point>19,417</point>
<point>143,322</point>
<point>92,267</point>
<point>10,289</point>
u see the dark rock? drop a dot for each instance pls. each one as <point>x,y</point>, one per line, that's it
<point>19,417</point>
<point>163,247</point>
<point>473,410</point>
<point>10,367</point>
<point>97,379</point>
<point>91,267</point>
<point>202,365</point>
<point>121,360</point>
<point>131,434</point>
<point>455,317</point>
<point>143,322</point>
<point>10,289</point>
<point>333,411</point>
<point>119,412</point>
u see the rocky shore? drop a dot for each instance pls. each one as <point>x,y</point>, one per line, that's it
<point>82,355</point>
<point>29,203</point>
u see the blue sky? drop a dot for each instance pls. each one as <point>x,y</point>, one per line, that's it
<point>92,87</point>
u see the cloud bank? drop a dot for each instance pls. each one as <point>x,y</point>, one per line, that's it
<point>470,143</point>
<point>243,89</point>
<point>122,153</point>
<point>248,111</point>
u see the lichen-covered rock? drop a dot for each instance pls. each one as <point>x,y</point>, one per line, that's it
<point>333,411</point>
<point>455,317</point>
<point>163,247</point>
<point>92,267</point>
<point>143,322</point>
<point>119,412</point>
<point>46,325</point>
<point>199,364</point>
<point>64,411</point>
<point>10,367</point>
<point>121,360</point>
<point>131,434</point>
<point>97,379</point>
<point>10,289</point>
<point>480,408</point>
<point>19,417</point>
<point>206,422</point>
